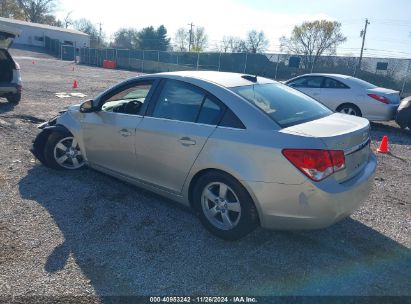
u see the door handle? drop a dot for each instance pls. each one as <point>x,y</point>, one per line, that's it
<point>124,132</point>
<point>187,141</point>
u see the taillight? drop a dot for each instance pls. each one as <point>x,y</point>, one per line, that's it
<point>316,164</point>
<point>380,98</point>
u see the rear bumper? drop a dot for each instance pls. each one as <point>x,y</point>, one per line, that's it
<point>384,113</point>
<point>311,205</point>
<point>9,88</point>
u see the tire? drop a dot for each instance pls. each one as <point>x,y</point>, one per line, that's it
<point>214,208</point>
<point>350,109</point>
<point>14,98</point>
<point>61,151</point>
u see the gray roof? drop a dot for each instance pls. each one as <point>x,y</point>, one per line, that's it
<point>327,74</point>
<point>224,79</point>
<point>9,21</point>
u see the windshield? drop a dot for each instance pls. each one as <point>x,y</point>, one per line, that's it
<point>286,106</point>
<point>363,83</point>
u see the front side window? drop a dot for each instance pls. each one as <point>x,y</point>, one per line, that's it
<point>128,100</point>
<point>184,102</point>
<point>283,104</point>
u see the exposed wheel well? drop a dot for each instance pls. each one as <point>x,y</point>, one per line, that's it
<point>42,138</point>
<point>349,104</point>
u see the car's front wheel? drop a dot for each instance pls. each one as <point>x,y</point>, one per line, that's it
<point>63,152</point>
<point>224,206</point>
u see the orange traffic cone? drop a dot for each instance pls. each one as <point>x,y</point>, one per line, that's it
<point>75,84</point>
<point>384,146</point>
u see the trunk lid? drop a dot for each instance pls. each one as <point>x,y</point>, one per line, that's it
<point>393,96</point>
<point>341,132</point>
<point>7,35</point>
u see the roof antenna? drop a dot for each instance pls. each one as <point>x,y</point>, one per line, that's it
<point>250,78</point>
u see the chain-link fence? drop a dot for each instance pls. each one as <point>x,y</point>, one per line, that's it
<point>60,50</point>
<point>385,72</point>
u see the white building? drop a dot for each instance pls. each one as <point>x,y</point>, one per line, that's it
<point>35,34</point>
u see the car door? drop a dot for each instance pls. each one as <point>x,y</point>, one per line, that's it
<point>179,121</point>
<point>310,85</point>
<point>109,133</point>
<point>335,93</point>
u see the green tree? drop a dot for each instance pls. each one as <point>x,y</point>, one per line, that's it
<point>313,39</point>
<point>163,41</point>
<point>154,39</point>
<point>126,38</point>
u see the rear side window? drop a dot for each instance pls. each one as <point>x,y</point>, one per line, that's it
<point>286,106</point>
<point>330,83</point>
<point>362,83</point>
<point>210,113</point>
<point>231,120</point>
<point>179,101</point>
<point>184,102</point>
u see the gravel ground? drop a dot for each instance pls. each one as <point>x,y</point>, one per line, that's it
<point>85,233</point>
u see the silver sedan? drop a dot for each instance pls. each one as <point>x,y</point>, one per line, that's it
<point>349,95</point>
<point>241,150</point>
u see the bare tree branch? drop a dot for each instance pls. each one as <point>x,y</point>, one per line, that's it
<point>313,39</point>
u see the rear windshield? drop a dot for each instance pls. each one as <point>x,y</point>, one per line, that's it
<point>286,106</point>
<point>362,83</point>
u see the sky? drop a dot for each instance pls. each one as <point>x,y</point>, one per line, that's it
<point>388,35</point>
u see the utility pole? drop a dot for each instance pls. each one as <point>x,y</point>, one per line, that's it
<point>363,34</point>
<point>99,34</point>
<point>191,35</point>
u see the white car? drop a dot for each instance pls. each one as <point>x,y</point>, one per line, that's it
<point>349,95</point>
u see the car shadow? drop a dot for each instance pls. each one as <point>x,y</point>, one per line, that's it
<point>128,241</point>
<point>6,106</point>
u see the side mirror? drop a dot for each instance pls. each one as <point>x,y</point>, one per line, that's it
<point>87,107</point>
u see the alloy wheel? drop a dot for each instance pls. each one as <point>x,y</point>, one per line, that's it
<point>349,111</point>
<point>67,153</point>
<point>221,206</point>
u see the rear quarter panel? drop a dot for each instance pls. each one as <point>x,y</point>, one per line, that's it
<point>333,98</point>
<point>252,155</point>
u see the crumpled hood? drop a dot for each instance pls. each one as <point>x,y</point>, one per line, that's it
<point>74,108</point>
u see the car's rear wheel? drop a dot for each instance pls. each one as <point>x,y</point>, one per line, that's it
<point>63,152</point>
<point>224,206</point>
<point>14,98</point>
<point>350,109</point>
